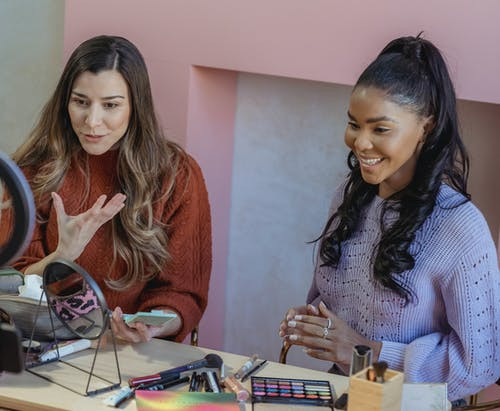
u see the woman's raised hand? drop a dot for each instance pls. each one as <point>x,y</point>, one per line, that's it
<point>292,312</point>
<point>75,232</point>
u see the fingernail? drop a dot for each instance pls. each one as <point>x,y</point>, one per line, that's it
<point>281,333</point>
<point>293,337</point>
<point>298,317</point>
<point>323,304</point>
<point>292,323</point>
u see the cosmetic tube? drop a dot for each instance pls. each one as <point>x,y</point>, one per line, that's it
<point>235,386</point>
<point>245,367</point>
<point>361,358</point>
<point>212,381</point>
<point>66,348</point>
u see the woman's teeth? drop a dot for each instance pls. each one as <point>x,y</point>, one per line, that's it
<point>371,161</point>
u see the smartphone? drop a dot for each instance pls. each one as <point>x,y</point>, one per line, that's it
<point>155,317</point>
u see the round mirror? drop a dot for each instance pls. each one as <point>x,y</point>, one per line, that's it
<point>75,298</point>
<point>17,211</point>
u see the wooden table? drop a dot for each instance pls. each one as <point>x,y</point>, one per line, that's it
<point>26,391</point>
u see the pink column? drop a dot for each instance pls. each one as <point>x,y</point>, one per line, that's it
<point>210,130</point>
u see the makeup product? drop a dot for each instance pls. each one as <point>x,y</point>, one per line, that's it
<point>121,396</point>
<point>213,381</point>
<point>361,358</point>
<point>253,371</point>
<point>235,386</point>
<point>193,384</point>
<point>35,347</point>
<point>65,348</point>
<point>246,366</point>
<point>200,382</point>
<point>341,402</point>
<point>209,361</point>
<point>185,401</point>
<point>370,375</point>
<point>380,368</point>
<point>206,383</point>
<point>162,385</point>
<point>291,391</point>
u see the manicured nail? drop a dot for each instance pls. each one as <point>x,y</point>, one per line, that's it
<point>292,323</point>
<point>281,333</point>
<point>298,317</point>
<point>322,304</point>
<point>313,308</point>
<point>293,337</point>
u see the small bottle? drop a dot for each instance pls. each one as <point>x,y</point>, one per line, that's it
<point>235,386</point>
<point>245,367</point>
<point>361,358</point>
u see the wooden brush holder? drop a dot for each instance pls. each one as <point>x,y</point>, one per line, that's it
<point>365,395</point>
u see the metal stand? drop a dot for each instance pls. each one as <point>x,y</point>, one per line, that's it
<point>34,364</point>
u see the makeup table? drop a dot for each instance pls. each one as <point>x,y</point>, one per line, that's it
<point>26,391</point>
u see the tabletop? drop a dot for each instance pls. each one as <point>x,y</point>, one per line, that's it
<point>26,391</point>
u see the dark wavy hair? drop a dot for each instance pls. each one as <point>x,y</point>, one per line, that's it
<point>411,72</point>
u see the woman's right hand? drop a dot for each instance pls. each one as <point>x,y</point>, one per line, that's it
<point>75,232</point>
<point>292,312</point>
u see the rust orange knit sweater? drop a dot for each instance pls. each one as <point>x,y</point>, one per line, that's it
<point>183,283</point>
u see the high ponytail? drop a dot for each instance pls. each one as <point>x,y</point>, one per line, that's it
<point>412,72</point>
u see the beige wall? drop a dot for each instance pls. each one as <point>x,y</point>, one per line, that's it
<point>31,49</point>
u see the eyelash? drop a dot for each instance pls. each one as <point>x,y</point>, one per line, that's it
<point>379,130</point>
<point>107,106</point>
<point>79,101</point>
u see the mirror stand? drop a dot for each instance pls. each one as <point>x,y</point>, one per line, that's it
<point>30,365</point>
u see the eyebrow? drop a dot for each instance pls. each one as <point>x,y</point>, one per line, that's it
<point>374,119</point>
<point>103,98</point>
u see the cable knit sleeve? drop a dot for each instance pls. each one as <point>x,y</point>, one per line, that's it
<point>468,357</point>
<point>183,283</point>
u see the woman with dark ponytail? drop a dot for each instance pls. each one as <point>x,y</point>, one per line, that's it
<point>406,263</point>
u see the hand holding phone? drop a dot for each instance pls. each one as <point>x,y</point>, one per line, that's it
<point>155,318</point>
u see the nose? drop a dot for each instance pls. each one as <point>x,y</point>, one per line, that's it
<point>94,116</point>
<point>363,142</point>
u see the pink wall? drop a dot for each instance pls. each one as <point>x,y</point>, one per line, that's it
<point>326,40</point>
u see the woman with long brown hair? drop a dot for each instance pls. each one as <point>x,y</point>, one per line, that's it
<point>149,246</point>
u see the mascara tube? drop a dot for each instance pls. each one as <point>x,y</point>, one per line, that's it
<point>193,385</point>
<point>235,386</point>
<point>206,383</point>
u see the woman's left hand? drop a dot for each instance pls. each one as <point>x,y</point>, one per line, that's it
<point>140,332</point>
<point>327,337</point>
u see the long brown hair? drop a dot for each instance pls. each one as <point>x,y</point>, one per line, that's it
<point>145,155</point>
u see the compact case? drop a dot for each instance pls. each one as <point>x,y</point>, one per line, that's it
<point>291,391</point>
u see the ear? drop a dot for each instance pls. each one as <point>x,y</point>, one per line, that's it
<point>428,125</point>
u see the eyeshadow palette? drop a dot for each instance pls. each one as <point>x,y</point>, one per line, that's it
<point>291,391</point>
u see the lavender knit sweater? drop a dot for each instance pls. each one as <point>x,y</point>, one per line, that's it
<point>451,332</point>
